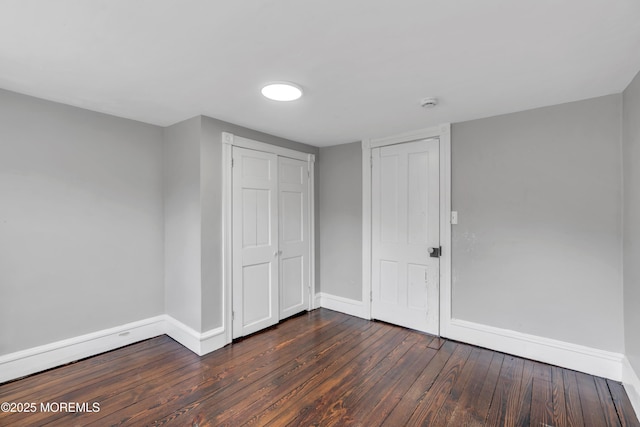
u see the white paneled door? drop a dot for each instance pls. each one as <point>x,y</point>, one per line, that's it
<point>293,195</point>
<point>271,239</point>
<point>255,241</point>
<point>405,229</point>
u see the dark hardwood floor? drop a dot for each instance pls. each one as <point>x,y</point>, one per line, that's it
<point>321,368</point>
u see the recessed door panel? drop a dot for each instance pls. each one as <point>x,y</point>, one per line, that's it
<point>418,198</point>
<point>256,217</point>
<point>389,195</point>
<point>292,280</point>
<point>254,166</point>
<point>292,203</point>
<point>256,297</point>
<point>291,173</point>
<point>417,286</point>
<point>388,283</point>
<point>264,219</point>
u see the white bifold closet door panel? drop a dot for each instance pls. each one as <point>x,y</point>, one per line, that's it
<point>405,220</point>
<point>271,252</point>
<point>255,241</point>
<point>293,196</point>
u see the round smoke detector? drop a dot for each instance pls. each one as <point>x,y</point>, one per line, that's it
<point>428,102</point>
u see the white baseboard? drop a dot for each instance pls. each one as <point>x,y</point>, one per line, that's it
<point>36,359</point>
<point>316,301</point>
<point>199,343</point>
<point>212,340</point>
<point>631,383</point>
<point>567,355</point>
<point>343,305</point>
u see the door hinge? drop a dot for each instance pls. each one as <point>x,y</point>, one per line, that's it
<point>233,161</point>
<point>233,315</point>
<point>370,295</point>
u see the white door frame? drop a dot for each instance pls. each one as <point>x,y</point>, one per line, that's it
<point>228,141</point>
<point>443,133</point>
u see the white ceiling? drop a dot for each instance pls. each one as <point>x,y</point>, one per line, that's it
<point>364,64</point>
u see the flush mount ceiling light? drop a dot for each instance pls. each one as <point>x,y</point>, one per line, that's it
<point>282,91</point>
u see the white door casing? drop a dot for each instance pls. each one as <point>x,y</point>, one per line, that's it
<point>293,214</point>
<point>255,241</point>
<point>405,223</point>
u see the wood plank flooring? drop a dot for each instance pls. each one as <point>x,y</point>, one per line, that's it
<point>320,368</point>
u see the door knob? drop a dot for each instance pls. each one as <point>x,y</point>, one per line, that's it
<point>435,252</point>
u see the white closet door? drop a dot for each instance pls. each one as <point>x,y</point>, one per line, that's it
<point>405,224</point>
<point>255,241</point>
<point>293,192</point>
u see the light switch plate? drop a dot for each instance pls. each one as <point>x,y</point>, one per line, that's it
<point>454,217</point>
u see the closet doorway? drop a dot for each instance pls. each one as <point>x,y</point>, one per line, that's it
<point>270,225</point>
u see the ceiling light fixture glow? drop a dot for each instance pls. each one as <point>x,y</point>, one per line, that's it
<point>282,91</point>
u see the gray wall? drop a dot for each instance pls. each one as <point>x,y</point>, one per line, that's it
<point>81,223</point>
<point>341,220</point>
<point>538,245</point>
<point>182,213</point>
<point>211,199</point>
<point>631,152</point>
